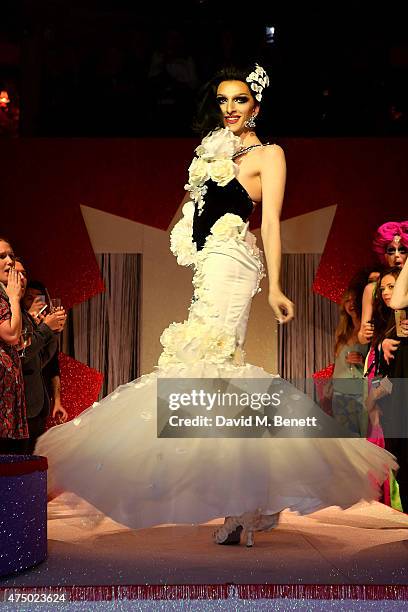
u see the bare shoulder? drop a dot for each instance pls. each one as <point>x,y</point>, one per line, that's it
<point>272,157</point>
<point>272,152</point>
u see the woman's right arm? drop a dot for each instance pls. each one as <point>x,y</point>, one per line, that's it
<point>399,298</point>
<point>366,329</point>
<point>10,328</point>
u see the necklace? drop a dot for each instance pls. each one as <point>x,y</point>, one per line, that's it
<point>247,149</point>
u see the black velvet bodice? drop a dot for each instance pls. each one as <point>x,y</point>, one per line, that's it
<point>232,198</point>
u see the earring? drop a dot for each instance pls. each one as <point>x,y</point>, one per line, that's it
<point>250,123</point>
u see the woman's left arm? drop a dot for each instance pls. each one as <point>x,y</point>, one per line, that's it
<point>399,298</point>
<point>273,179</point>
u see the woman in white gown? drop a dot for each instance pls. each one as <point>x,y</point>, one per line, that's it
<point>111,455</point>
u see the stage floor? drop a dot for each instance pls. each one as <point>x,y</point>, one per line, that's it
<point>366,544</point>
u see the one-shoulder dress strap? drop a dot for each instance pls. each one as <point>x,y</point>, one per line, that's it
<point>247,149</point>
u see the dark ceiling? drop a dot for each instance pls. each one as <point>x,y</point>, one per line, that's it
<point>91,68</point>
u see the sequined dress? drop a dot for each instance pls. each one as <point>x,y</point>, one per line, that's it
<point>111,454</point>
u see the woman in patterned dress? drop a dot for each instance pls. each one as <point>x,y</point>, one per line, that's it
<point>13,420</point>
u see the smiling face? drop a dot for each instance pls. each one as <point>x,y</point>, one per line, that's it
<point>350,304</point>
<point>386,288</point>
<point>237,105</point>
<point>6,260</point>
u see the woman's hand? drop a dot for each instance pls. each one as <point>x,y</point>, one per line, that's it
<point>283,308</point>
<point>366,331</point>
<point>14,288</point>
<point>388,347</point>
<point>36,307</point>
<point>59,413</point>
<point>355,358</point>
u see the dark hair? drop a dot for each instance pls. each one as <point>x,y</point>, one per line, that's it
<point>21,260</point>
<point>208,115</point>
<point>383,315</point>
<point>35,284</point>
<point>358,283</point>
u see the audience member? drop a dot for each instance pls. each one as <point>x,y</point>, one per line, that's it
<point>35,299</point>
<point>42,348</point>
<point>399,299</point>
<point>13,419</point>
<point>386,404</point>
<point>391,247</point>
<point>348,404</point>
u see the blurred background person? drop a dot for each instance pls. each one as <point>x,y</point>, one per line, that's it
<point>42,348</point>
<point>382,316</point>
<point>391,414</point>
<point>13,419</point>
<point>36,297</point>
<point>399,302</point>
<point>350,312</point>
<point>399,298</point>
<point>390,244</point>
<point>348,402</point>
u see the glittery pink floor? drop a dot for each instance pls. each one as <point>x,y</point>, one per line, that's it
<point>367,544</point>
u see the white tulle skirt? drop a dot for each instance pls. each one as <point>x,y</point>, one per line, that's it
<point>111,456</point>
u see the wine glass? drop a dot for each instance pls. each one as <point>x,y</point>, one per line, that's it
<point>356,369</point>
<point>26,335</point>
<point>351,365</point>
<point>55,304</point>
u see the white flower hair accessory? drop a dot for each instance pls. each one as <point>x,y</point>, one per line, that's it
<point>258,80</point>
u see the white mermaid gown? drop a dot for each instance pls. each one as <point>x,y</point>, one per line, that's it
<point>111,456</point>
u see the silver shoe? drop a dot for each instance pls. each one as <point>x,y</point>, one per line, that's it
<point>249,522</point>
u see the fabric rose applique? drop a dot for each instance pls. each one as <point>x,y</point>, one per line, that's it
<point>181,237</point>
<point>214,160</point>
